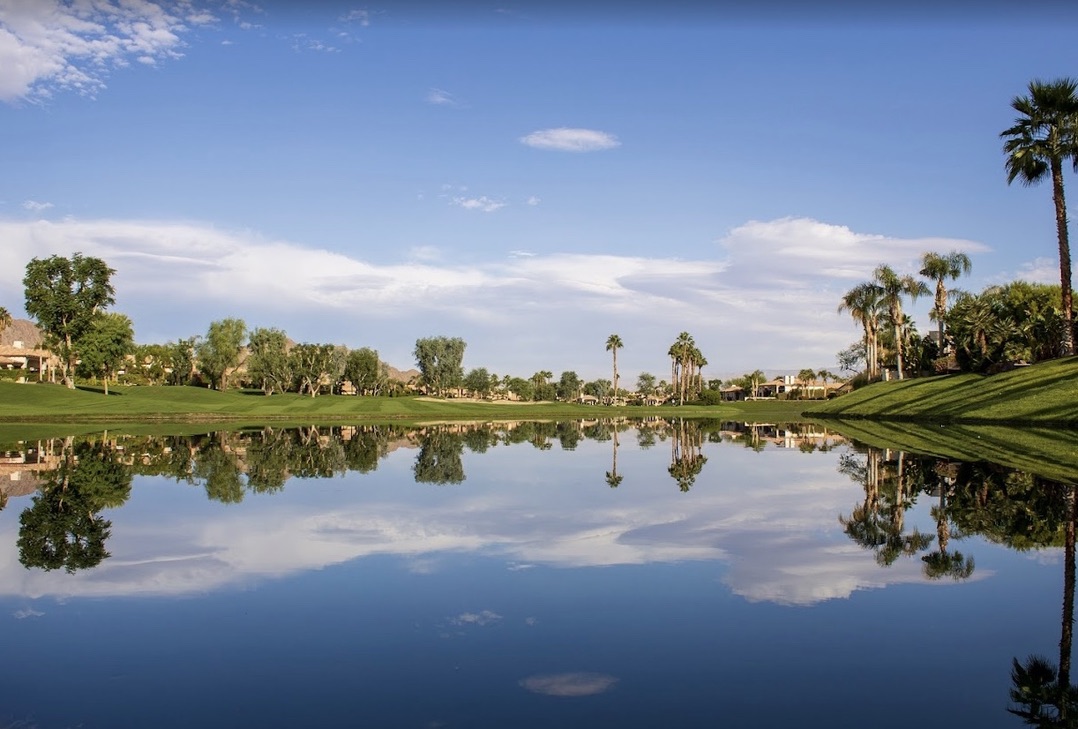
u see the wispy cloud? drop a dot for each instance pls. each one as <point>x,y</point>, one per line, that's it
<point>565,139</point>
<point>27,613</point>
<point>359,16</point>
<point>35,206</point>
<point>303,42</point>
<point>533,200</point>
<point>440,97</point>
<point>48,45</point>
<point>484,203</point>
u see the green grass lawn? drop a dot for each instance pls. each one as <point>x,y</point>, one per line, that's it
<point>1044,394</point>
<point>44,403</point>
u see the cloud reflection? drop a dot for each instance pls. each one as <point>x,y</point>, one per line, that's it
<point>569,684</point>
<point>776,540</point>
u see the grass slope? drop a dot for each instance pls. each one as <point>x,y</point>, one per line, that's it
<point>1048,452</point>
<point>1044,394</point>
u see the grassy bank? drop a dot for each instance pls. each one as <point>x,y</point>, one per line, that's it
<point>1045,394</point>
<point>1048,452</point>
<point>42,403</point>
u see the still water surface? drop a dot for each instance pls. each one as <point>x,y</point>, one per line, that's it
<point>684,574</point>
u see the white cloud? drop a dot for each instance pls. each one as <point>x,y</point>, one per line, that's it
<point>35,206</point>
<point>484,203</point>
<point>768,299</point>
<point>439,97</point>
<point>1039,270</point>
<point>48,45</point>
<point>27,613</point>
<point>565,139</point>
<point>362,17</point>
<point>533,200</point>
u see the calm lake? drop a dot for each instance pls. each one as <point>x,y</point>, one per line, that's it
<point>639,574</point>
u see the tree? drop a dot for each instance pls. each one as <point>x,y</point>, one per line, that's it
<point>752,382</point>
<point>939,268</point>
<point>63,295</point>
<point>597,388</point>
<point>1043,137</point>
<point>613,344</point>
<point>892,288</point>
<point>5,319</point>
<point>541,387</point>
<point>645,384</point>
<point>863,302</point>
<point>569,386</point>
<point>220,351</point>
<point>478,381</point>
<point>365,370</point>
<point>1018,322</point>
<point>315,365</point>
<point>686,361</point>
<point>181,360</point>
<point>268,364</point>
<point>439,361</point>
<point>102,349</point>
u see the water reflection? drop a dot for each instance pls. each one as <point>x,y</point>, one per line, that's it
<point>418,556</point>
<point>77,480</point>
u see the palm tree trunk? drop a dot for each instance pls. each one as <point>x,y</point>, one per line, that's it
<point>1064,256</point>
<point>898,346</point>
<point>1067,627</point>
<point>941,309</point>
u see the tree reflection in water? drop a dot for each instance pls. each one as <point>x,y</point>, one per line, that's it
<point>62,527</point>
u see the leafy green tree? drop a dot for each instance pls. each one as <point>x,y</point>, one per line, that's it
<point>478,381</point>
<point>181,360</point>
<point>268,364</point>
<point>523,389</point>
<point>939,269</point>
<point>645,384</point>
<point>439,360</point>
<point>365,370</point>
<point>893,288</point>
<point>315,365</point>
<point>597,388</point>
<point>104,346</point>
<point>569,386</point>
<point>219,353</point>
<point>1042,138</point>
<point>63,295</point>
<point>613,344</point>
<point>1016,322</point>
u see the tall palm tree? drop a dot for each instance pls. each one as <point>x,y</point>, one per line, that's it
<point>863,302</point>
<point>1044,136</point>
<point>892,288</point>
<point>5,319</point>
<point>613,344</point>
<point>939,268</point>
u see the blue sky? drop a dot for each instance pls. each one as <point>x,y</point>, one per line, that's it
<point>531,177</point>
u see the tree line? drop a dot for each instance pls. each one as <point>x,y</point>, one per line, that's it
<point>1003,325</point>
